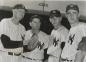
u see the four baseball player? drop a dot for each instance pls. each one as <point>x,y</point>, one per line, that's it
<point>76,34</point>
<point>40,41</point>
<point>14,38</point>
<point>58,34</point>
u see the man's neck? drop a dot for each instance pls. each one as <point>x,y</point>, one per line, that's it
<point>58,26</point>
<point>74,24</point>
<point>14,20</point>
<point>35,31</point>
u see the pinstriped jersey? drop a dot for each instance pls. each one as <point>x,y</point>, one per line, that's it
<point>15,32</point>
<point>36,53</point>
<point>60,35</point>
<point>75,36</point>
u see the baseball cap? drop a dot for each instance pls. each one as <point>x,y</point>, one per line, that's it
<point>73,7</point>
<point>19,6</point>
<point>55,13</point>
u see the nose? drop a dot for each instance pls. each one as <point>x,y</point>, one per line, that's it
<point>53,22</point>
<point>22,14</point>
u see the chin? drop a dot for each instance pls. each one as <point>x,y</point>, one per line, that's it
<point>20,18</point>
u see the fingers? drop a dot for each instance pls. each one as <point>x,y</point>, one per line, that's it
<point>55,42</point>
<point>40,46</point>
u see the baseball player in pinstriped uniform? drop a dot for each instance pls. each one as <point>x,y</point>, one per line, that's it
<point>58,34</point>
<point>36,41</point>
<point>76,33</point>
<point>81,55</point>
<point>11,33</point>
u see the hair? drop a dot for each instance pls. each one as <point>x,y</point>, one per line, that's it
<point>35,16</point>
<point>19,6</point>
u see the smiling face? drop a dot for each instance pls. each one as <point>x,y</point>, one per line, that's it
<point>72,16</point>
<point>18,14</point>
<point>55,21</point>
<point>35,23</point>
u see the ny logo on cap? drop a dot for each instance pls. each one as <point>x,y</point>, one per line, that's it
<point>54,11</point>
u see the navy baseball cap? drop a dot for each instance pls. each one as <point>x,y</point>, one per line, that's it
<point>55,13</point>
<point>19,6</point>
<point>73,7</point>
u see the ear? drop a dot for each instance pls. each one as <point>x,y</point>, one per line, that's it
<point>50,19</point>
<point>66,15</point>
<point>30,23</point>
<point>60,18</point>
<point>78,15</point>
<point>14,10</point>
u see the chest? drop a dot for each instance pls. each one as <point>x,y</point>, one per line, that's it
<point>14,32</point>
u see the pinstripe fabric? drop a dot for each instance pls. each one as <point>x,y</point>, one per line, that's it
<point>15,32</point>
<point>36,53</point>
<point>55,52</point>
<point>76,33</point>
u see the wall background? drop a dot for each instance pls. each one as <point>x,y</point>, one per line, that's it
<point>55,4</point>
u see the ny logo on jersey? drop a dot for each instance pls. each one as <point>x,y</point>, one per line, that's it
<point>40,46</point>
<point>71,38</point>
<point>55,42</point>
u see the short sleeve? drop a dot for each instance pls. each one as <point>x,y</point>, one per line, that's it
<point>3,26</point>
<point>27,37</point>
<point>64,35</point>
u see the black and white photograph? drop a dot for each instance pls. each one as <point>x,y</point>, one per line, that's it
<point>42,30</point>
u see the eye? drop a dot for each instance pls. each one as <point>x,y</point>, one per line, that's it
<point>68,13</point>
<point>74,12</point>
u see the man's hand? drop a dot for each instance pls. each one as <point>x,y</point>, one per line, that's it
<point>33,42</point>
<point>40,46</point>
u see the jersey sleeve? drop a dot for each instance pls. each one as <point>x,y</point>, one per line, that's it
<point>75,36</point>
<point>27,37</point>
<point>64,35</point>
<point>7,43</point>
<point>47,40</point>
<point>3,27</point>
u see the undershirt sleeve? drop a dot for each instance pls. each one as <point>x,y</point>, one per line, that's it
<point>7,43</point>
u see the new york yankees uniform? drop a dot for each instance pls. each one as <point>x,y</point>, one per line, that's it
<point>76,34</point>
<point>10,40</point>
<point>36,55</point>
<point>55,50</point>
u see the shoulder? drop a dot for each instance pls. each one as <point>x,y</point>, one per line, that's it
<point>79,27</point>
<point>5,20</point>
<point>5,23</point>
<point>61,30</point>
<point>28,32</point>
<point>43,33</point>
<point>82,25</point>
<point>22,26</point>
<point>64,30</point>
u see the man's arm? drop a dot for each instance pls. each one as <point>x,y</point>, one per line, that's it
<point>80,56</point>
<point>7,43</point>
<point>31,45</point>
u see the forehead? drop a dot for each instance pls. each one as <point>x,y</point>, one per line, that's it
<point>71,10</point>
<point>54,17</point>
<point>36,20</point>
<point>19,10</point>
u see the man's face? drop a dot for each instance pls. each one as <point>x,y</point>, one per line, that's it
<point>35,23</point>
<point>72,16</point>
<point>55,21</point>
<point>18,13</point>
